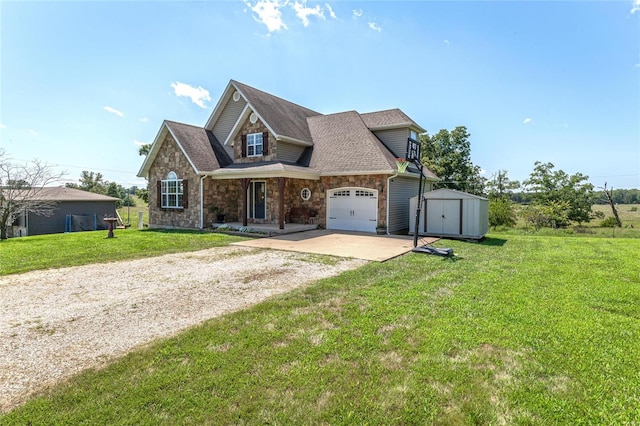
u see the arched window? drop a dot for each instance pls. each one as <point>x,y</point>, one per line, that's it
<point>172,192</point>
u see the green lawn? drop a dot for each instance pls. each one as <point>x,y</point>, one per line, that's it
<point>80,248</point>
<point>516,330</point>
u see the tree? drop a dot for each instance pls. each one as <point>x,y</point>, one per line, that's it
<point>547,186</point>
<point>90,181</point>
<point>20,188</point>
<point>143,194</point>
<point>448,155</point>
<point>144,149</point>
<point>500,186</point>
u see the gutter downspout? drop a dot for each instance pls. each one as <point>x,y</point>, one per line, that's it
<point>389,196</point>
<point>205,175</point>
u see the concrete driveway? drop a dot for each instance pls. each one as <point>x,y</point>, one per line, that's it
<point>358,245</point>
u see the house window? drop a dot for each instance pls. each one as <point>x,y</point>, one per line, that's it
<point>413,135</point>
<point>305,194</point>
<point>172,191</point>
<point>254,144</point>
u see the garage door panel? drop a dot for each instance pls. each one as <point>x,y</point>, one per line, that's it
<point>353,209</point>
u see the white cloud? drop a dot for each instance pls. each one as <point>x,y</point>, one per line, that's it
<point>303,12</point>
<point>526,121</point>
<point>33,132</point>
<point>635,6</point>
<point>268,12</point>
<point>357,13</point>
<point>330,9</point>
<point>198,94</point>
<point>2,126</point>
<point>139,143</point>
<point>374,26</point>
<point>144,119</point>
<point>113,111</point>
<point>446,42</point>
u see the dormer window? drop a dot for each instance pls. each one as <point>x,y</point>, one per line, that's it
<point>413,135</point>
<point>254,145</point>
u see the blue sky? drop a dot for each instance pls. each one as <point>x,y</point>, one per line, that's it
<point>83,83</point>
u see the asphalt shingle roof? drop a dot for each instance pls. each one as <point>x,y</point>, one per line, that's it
<point>61,193</point>
<point>342,143</point>
<point>388,118</point>
<point>285,118</point>
<point>201,146</point>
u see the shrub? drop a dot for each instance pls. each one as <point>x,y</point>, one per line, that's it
<point>553,215</point>
<point>501,212</point>
<point>609,222</point>
<point>633,209</point>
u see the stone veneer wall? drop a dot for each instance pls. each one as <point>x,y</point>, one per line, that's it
<point>377,182</point>
<point>246,129</point>
<point>228,193</point>
<point>170,158</point>
<point>224,194</point>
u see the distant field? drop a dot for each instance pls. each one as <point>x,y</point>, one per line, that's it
<point>627,216</point>
<point>132,212</point>
<point>630,224</point>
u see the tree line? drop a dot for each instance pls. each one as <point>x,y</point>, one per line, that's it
<point>550,197</point>
<point>95,182</point>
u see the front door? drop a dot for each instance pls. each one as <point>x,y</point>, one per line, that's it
<point>258,200</point>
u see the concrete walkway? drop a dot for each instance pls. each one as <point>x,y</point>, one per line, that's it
<point>358,245</point>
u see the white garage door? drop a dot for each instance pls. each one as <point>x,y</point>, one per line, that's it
<point>352,209</point>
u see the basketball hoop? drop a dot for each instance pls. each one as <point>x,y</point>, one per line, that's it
<point>413,151</point>
<point>402,164</point>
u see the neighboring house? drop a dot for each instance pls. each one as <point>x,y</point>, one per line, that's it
<point>74,210</point>
<point>262,159</point>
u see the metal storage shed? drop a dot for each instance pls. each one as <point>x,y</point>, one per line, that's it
<point>450,213</point>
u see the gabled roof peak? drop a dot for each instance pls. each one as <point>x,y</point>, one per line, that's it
<point>243,87</point>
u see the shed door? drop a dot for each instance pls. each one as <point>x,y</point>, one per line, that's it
<point>443,217</point>
<point>352,209</point>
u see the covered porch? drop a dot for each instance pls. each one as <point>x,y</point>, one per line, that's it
<point>271,196</point>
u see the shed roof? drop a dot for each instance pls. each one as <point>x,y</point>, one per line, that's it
<point>61,193</point>
<point>453,194</point>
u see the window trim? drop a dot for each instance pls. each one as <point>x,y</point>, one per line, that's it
<point>252,144</point>
<point>169,191</point>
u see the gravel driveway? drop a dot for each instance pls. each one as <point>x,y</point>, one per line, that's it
<point>58,322</point>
